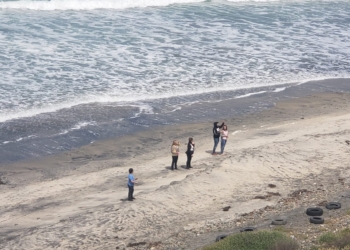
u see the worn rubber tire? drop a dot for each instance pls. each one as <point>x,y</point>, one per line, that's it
<point>316,220</point>
<point>248,229</point>
<point>314,211</point>
<point>221,237</point>
<point>279,222</point>
<point>333,205</point>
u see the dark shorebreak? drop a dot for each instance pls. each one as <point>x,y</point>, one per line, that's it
<point>53,133</point>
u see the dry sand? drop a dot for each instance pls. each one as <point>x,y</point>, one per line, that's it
<point>77,200</point>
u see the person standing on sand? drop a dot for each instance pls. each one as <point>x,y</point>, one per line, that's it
<point>216,135</point>
<point>175,149</point>
<point>131,183</point>
<point>189,152</point>
<point>224,136</point>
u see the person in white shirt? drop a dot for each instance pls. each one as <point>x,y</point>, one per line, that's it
<point>224,136</point>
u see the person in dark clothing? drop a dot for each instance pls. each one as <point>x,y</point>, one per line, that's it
<point>189,152</point>
<point>131,183</point>
<point>216,135</point>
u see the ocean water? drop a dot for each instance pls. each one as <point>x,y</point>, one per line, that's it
<point>76,71</point>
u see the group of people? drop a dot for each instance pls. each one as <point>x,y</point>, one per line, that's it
<point>218,132</point>
<point>175,150</point>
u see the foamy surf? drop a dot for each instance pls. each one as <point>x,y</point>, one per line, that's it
<point>58,60</point>
<point>89,4</point>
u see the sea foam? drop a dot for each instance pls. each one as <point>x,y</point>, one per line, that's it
<point>88,4</point>
<point>56,60</point>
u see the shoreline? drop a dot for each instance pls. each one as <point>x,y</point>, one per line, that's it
<point>83,202</point>
<point>54,134</point>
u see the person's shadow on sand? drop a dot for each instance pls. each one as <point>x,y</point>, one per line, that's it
<point>182,166</point>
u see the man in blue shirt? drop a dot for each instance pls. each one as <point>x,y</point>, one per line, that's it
<point>131,183</point>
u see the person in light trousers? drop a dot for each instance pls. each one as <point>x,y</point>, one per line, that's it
<point>224,137</point>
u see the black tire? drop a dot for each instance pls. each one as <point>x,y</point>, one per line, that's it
<point>279,222</point>
<point>314,211</point>
<point>316,220</point>
<point>248,229</point>
<point>221,237</point>
<point>333,205</point>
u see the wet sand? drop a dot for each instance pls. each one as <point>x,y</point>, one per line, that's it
<point>76,200</point>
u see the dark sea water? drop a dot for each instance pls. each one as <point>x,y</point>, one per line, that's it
<point>73,72</point>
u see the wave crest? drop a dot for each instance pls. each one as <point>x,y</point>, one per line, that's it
<point>88,4</point>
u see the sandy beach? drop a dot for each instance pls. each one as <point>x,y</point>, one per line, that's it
<point>77,200</point>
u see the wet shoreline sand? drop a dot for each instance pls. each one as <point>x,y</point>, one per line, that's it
<point>77,199</point>
<point>55,133</point>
